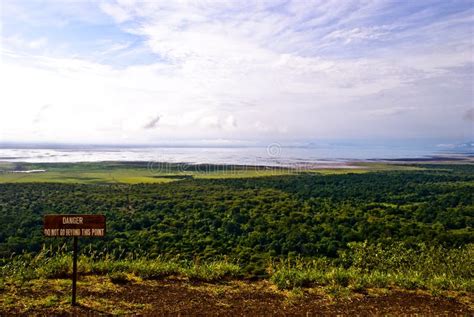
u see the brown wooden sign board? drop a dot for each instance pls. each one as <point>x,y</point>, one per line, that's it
<point>74,226</point>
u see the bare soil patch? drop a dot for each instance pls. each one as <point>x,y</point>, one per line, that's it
<point>99,297</point>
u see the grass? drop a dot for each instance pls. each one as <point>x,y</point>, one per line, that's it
<point>374,266</point>
<point>382,166</point>
<point>130,176</point>
<point>355,280</point>
<point>103,173</point>
<point>213,271</point>
<point>53,265</point>
<point>44,296</point>
<point>142,172</point>
<point>362,269</point>
<point>362,266</point>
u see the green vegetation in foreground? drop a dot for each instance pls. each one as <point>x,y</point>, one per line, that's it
<point>144,172</point>
<point>361,266</point>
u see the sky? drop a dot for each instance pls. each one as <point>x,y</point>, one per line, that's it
<point>234,72</point>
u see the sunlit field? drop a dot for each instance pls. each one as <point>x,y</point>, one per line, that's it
<point>143,172</point>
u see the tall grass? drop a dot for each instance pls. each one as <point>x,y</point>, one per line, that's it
<point>420,258</point>
<point>359,267</point>
<point>50,263</point>
<point>364,265</point>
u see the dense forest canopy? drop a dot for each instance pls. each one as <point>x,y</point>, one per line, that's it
<point>251,220</point>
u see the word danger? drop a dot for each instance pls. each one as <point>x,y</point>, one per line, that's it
<point>73,220</point>
<point>74,226</point>
<point>74,232</point>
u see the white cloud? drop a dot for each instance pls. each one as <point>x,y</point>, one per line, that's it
<point>38,43</point>
<point>358,34</point>
<point>239,70</point>
<point>120,15</point>
<point>390,111</point>
<point>19,43</point>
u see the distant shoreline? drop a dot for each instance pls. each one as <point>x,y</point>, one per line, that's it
<point>272,156</point>
<point>434,158</point>
<point>301,164</point>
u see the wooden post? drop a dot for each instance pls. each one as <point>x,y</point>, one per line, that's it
<point>74,272</point>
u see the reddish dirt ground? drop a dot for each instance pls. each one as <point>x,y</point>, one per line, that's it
<point>179,298</point>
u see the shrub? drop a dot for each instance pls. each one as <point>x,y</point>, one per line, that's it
<point>409,281</point>
<point>289,278</point>
<point>154,269</point>
<point>378,279</point>
<point>440,282</point>
<point>55,267</point>
<point>360,283</point>
<point>213,271</point>
<point>339,276</point>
